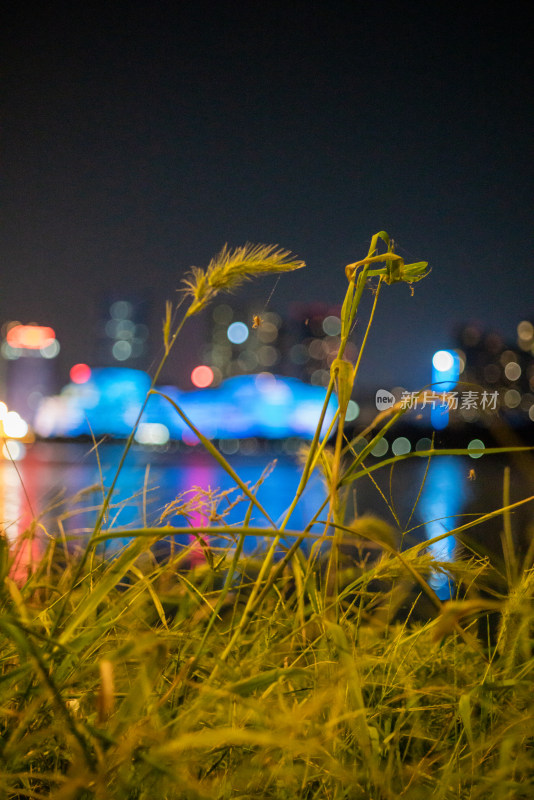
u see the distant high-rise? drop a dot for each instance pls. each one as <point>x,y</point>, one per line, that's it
<point>313,341</point>
<point>497,366</point>
<point>248,340</point>
<point>244,341</point>
<point>122,331</point>
<point>30,359</point>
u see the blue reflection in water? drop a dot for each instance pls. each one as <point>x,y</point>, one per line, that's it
<point>443,497</point>
<point>72,469</point>
<point>52,467</point>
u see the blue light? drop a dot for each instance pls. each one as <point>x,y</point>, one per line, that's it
<point>264,406</point>
<point>237,332</point>
<point>445,376</point>
<point>441,500</point>
<point>439,416</point>
<point>445,370</point>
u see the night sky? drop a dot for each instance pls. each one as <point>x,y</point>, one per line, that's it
<point>138,138</point>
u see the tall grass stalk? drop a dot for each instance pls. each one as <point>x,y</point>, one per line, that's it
<point>323,667</point>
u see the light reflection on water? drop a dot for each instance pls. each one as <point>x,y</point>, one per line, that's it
<point>443,498</point>
<point>149,481</point>
<point>52,471</point>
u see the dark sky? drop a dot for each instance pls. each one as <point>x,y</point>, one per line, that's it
<point>138,138</point>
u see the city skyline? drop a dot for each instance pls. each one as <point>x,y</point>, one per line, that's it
<point>138,140</point>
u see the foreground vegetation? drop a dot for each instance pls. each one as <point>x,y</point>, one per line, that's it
<point>326,667</point>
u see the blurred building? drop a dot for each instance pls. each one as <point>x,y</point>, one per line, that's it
<point>490,363</point>
<point>243,340</point>
<point>246,340</point>
<point>122,331</point>
<point>314,339</point>
<point>30,355</point>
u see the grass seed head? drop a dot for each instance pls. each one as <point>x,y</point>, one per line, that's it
<point>231,268</point>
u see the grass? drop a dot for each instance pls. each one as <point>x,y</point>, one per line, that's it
<point>330,671</point>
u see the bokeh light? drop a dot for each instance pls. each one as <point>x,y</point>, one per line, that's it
<point>237,332</point>
<point>14,425</point>
<point>229,446</point>
<point>331,325</point>
<point>401,446</point>
<point>50,350</point>
<point>476,444</point>
<point>445,375</point>
<point>152,433</point>
<point>525,330</point>
<point>13,451</point>
<point>80,373</point>
<point>380,448</point>
<point>443,361</point>
<point>120,309</point>
<point>512,398</point>
<point>222,314</point>
<point>512,371</point>
<point>31,337</point>
<point>267,332</point>
<point>353,411</point>
<point>424,444</point>
<point>202,376</point>
<point>121,350</point>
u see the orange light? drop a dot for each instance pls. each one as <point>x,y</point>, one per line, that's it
<point>202,376</point>
<point>80,373</point>
<point>30,337</point>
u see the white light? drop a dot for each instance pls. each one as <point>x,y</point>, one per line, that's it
<point>120,309</point>
<point>353,411</point>
<point>125,329</point>
<point>10,352</point>
<point>51,350</point>
<point>15,426</point>
<point>121,350</point>
<point>401,446</point>
<point>512,371</point>
<point>229,446</point>
<point>443,361</point>
<point>13,451</point>
<point>278,394</point>
<point>380,448</point>
<point>331,325</point>
<point>512,398</point>
<point>475,444</point>
<point>525,330</point>
<point>424,444</point>
<point>152,433</point>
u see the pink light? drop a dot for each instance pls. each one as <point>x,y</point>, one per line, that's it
<point>202,376</point>
<point>188,437</point>
<point>80,373</point>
